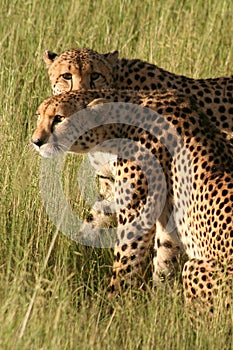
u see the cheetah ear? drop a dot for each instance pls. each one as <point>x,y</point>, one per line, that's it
<point>111,57</point>
<point>49,57</point>
<point>101,107</point>
<point>96,102</point>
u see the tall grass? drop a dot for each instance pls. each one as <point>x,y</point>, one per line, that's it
<point>52,290</point>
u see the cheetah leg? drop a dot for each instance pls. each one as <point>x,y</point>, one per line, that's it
<point>135,235</point>
<point>130,258</point>
<point>102,214</point>
<point>136,232</point>
<point>207,283</point>
<point>168,254</point>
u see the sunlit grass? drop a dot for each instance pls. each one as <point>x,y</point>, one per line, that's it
<point>52,290</point>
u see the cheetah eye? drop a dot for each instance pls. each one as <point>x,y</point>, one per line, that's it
<point>95,75</point>
<point>58,119</point>
<point>67,76</point>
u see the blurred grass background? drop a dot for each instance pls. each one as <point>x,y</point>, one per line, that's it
<point>57,300</point>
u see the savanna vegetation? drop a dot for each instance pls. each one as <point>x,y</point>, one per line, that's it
<point>52,289</point>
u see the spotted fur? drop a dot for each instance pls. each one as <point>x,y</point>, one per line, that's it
<point>82,68</point>
<point>198,178</point>
<point>88,69</point>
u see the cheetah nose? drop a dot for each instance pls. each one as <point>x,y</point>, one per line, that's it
<point>37,142</point>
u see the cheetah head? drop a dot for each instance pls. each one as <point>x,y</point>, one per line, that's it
<point>55,132</point>
<point>78,69</point>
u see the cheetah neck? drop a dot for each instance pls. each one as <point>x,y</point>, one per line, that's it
<point>143,75</point>
<point>214,96</point>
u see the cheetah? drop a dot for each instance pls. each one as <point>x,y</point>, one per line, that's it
<point>83,68</point>
<point>170,135</point>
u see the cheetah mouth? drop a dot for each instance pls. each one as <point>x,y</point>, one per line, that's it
<point>50,150</point>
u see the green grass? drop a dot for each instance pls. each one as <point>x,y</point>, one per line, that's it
<point>52,290</point>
